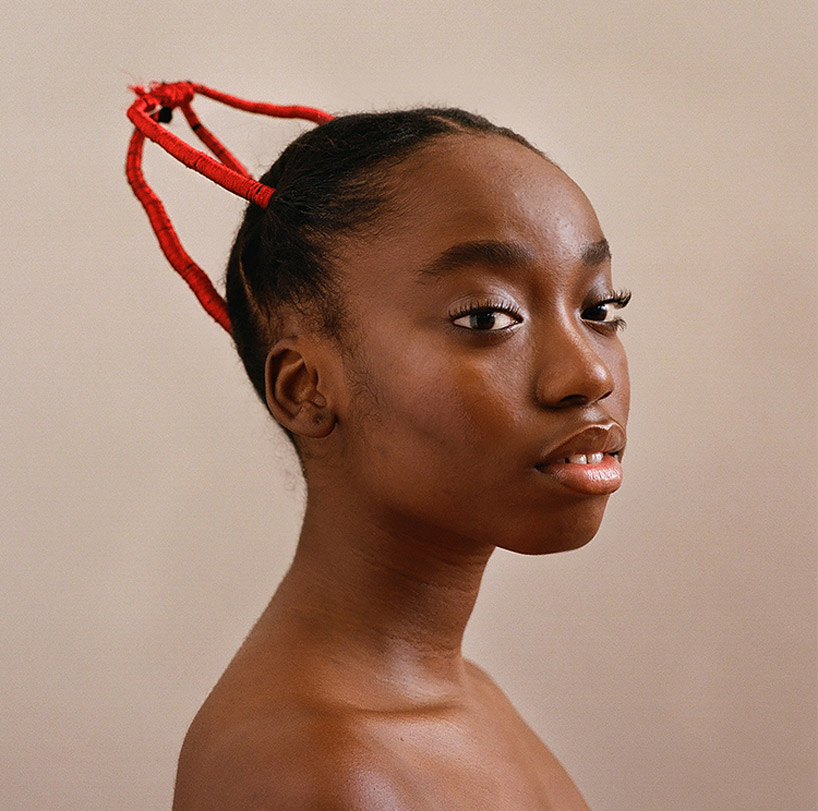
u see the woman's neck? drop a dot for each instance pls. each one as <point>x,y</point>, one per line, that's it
<point>382,600</point>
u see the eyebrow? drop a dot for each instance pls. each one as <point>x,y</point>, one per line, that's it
<point>497,253</point>
<point>480,252</point>
<point>596,253</point>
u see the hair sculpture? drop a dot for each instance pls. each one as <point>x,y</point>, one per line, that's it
<point>154,107</point>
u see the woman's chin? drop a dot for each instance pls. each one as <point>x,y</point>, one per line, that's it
<point>550,546</point>
<point>559,533</point>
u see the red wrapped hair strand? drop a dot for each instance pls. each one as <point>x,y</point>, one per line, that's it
<point>211,141</point>
<point>195,277</point>
<point>151,109</point>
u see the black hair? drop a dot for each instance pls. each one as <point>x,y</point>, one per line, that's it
<point>331,180</point>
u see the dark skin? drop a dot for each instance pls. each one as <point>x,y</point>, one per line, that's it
<point>421,435</point>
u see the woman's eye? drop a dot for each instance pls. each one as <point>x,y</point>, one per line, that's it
<point>486,320</point>
<point>604,312</point>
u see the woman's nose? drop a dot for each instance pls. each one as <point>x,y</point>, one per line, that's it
<point>571,370</point>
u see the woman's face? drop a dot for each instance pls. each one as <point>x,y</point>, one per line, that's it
<point>485,353</point>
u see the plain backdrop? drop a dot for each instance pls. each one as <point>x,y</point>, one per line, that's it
<point>149,507</point>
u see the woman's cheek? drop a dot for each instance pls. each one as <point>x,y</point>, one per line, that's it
<point>452,401</point>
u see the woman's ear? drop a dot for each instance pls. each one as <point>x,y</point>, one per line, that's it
<point>293,393</point>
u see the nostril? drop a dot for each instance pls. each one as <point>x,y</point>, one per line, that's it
<point>573,400</point>
<point>580,399</point>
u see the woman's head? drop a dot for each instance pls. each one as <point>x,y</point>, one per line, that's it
<point>331,183</point>
<point>444,332</point>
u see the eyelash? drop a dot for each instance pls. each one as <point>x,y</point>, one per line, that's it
<point>618,299</point>
<point>478,307</point>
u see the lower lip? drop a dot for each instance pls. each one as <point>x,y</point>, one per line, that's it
<point>601,479</point>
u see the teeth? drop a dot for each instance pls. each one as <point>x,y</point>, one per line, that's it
<point>585,459</point>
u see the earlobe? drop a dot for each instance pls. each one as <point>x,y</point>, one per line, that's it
<point>293,394</point>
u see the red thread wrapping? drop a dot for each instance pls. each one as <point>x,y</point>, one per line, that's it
<point>225,169</point>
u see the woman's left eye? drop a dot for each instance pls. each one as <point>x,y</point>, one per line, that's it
<point>486,320</point>
<point>604,312</point>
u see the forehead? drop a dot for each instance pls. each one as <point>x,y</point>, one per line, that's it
<point>468,188</point>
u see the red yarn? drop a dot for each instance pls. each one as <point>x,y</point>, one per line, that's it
<point>227,171</point>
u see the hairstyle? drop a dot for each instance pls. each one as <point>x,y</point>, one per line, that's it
<point>331,181</point>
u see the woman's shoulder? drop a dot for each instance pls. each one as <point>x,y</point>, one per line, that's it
<point>289,759</point>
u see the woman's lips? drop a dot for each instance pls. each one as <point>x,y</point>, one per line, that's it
<point>600,474</point>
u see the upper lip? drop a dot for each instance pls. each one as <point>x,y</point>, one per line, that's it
<point>600,438</point>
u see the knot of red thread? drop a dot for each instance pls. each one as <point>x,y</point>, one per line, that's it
<point>166,94</point>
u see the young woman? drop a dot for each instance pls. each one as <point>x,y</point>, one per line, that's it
<point>426,308</point>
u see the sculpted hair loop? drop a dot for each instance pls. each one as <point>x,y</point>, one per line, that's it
<point>153,107</point>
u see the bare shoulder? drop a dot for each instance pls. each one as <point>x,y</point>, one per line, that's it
<point>286,763</point>
<point>556,784</point>
<point>485,685</point>
<point>478,674</point>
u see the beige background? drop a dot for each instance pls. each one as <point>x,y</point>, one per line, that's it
<point>149,508</point>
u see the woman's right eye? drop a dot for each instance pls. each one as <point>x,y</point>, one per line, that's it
<point>486,320</point>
